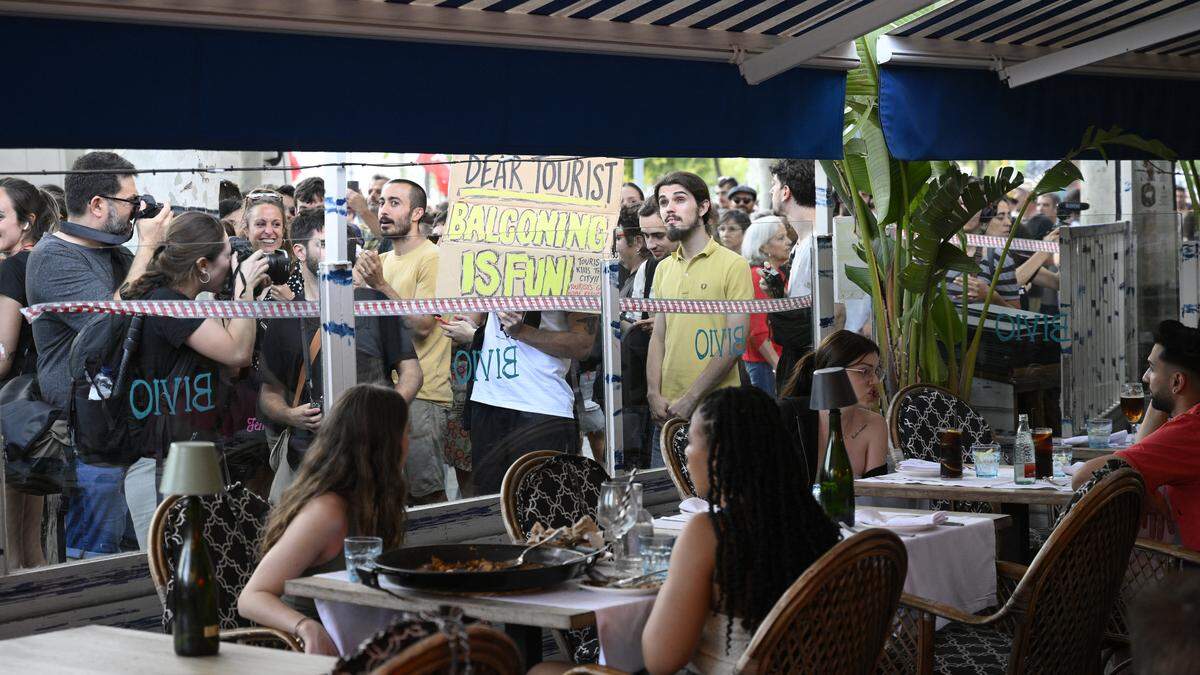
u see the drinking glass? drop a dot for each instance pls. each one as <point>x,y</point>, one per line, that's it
<point>1061,458</point>
<point>1133,404</point>
<point>950,452</point>
<point>361,552</point>
<point>616,512</point>
<point>987,459</point>
<point>1099,430</point>
<point>656,551</point>
<point>1043,444</point>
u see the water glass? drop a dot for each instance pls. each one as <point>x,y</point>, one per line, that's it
<point>656,551</point>
<point>1099,430</point>
<point>616,512</point>
<point>361,552</point>
<point>987,459</point>
<point>1061,458</point>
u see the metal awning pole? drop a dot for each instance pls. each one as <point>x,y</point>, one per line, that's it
<point>610,312</point>
<point>338,371</point>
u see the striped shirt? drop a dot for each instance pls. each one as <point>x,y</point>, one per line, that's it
<point>1006,287</point>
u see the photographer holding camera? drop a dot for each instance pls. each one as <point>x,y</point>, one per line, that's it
<point>85,259</point>
<point>175,397</point>
<point>291,393</point>
<point>265,225</point>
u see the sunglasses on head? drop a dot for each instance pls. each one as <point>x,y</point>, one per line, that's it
<point>264,196</point>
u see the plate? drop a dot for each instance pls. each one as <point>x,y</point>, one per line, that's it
<point>595,587</point>
<point>921,473</point>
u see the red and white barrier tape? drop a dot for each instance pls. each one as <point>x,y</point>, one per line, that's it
<point>1017,244</point>
<point>197,309</point>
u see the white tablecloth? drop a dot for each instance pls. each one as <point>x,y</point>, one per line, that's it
<point>619,619</point>
<point>969,479</point>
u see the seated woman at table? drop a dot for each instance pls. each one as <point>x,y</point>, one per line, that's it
<point>864,429</point>
<point>350,482</point>
<point>731,565</point>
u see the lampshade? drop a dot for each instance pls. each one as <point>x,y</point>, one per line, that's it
<point>831,389</point>
<point>192,469</point>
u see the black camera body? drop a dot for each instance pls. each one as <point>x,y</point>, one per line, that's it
<point>773,282</point>
<point>152,208</point>
<point>279,266</point>
<point>1067,210</point>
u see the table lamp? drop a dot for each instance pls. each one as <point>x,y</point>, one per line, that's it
<point>192,470</point>
<point>832,391</point>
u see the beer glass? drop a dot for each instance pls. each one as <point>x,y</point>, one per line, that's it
<point>950,452</point>
<point>1133,404</point>
<point>1043,446</point>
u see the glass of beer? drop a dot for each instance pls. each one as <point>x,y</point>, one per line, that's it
<point>1133,404</point>
<point>950,452</point>
<point>1043,447</point>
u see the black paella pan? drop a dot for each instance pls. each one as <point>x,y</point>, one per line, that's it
<point>544,567</point>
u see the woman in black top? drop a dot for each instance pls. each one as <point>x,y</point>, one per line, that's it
<point>176,392</point>
<point>26,213</point>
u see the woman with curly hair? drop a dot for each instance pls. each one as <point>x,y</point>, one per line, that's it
<point>350,483</point>
<point>762,531</point>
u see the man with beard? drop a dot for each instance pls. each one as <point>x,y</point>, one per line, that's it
<point>1165,451</point>
<point>85,260</point>
<point>409,271</point>
<point>692,354</point>
<point>291,394</point>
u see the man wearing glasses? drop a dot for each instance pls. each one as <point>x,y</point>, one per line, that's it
<point>86,260</point>
<point>744,198</point>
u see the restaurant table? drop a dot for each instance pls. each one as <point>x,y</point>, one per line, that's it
<point>1014,499</point>
<point>105,649</point>
<point>341,604</point>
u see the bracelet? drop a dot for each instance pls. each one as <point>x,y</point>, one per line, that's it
<point>296,629</point>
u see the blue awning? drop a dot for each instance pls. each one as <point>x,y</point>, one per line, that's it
<point>941,99</point>
<point>86,84</point>
<point>950,113</point>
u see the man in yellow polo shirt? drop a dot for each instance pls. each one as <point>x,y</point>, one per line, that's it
<point>409,271</point>
<point>692,354</point>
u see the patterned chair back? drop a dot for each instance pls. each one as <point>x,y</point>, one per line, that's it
<point>421,645</point>
<point>234,524</point>
<point>557,491</point>
<point>836,617</point>
<point>1069,590</point>
<point>674,444</point>
<point>918,411</point>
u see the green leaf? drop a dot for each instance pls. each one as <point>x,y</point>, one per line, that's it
<point>935,367</point>
<point>861,276</point>
<point>856,147</point>
<point>856,166</point>
<point>947,322</point>
<point>880,166</point>
<point>860,83</point>
<point>1058,178</point>
<point>941,168</point>
<point>1115,136</point>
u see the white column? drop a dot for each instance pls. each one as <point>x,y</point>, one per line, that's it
<point>338,371</point>
<point>822,287</point>
<point>610,311</point>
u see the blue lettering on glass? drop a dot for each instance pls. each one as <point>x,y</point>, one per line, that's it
<point>191,394</point>
<point>1029,328</point>
<point>718,342</point>
<point>480,365</point>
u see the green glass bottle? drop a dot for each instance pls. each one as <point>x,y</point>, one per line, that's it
<point>837,475</point>
<point>196,626</point>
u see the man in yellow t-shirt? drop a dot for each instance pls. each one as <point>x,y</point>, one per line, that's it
<point>692,354</point>
<point>409,271</point>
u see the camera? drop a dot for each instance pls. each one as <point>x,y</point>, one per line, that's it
<point>279,266</point>
<point>773,282</point>
<point>152,208</point>
<point>1068,210</point>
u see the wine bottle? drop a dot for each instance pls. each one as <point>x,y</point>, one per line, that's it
<point>196,626</point>
<point>837,475</point>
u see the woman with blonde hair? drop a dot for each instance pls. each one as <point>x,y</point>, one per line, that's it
<point>350,483</point>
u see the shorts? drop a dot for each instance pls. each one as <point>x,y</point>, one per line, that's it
<point>97,519</point>
<point>424,471</point>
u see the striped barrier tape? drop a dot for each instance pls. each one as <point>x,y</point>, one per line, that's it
<point>1018,244</point>
<point>198,309</point>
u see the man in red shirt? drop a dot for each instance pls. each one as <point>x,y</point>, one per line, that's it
<point>1167,449</point>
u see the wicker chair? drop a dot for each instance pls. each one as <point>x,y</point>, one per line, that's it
<point>420,645</point>
<point>673,447</point>
<point>555,490</point>
<point>233,529</point>
<point>914,417</point>
<point>1053,612</point>
<point>834,619</point>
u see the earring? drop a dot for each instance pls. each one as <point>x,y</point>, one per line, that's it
<point>204,277</point>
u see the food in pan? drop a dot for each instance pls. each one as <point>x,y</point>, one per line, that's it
<point>473,565</point>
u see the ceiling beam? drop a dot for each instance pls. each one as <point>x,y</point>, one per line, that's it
<point>1148,33</point>
<point>992,56</point>
<point>415,23</point>
<point>845,29</point>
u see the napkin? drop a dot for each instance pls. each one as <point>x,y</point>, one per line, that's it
<point>1117,438</point>
<point>693,505</point>
<point>919,465</point>
<point>1070,470</point>
<point>873,517</point>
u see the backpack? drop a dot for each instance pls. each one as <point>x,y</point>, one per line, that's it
<point>101,366</point>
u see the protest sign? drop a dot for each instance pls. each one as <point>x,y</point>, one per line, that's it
<point>528,226</point>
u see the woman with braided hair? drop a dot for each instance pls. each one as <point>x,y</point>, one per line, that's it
<point>762,531</point>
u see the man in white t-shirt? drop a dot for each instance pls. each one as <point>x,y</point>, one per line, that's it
<point>520,398</point>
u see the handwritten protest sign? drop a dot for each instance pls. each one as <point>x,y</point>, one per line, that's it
<point>528,226</point>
